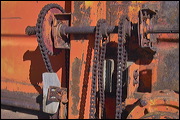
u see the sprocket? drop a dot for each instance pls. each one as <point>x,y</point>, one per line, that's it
<point>44,27</point>
<point>44,32</point>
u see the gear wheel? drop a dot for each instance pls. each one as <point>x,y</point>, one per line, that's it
<point>44,25</point>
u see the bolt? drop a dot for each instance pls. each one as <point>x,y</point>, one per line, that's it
<point>52,89</point>
<point>143,103</point>
<point>135,82</point>
<point>135,75</point>
<point>52,97</point>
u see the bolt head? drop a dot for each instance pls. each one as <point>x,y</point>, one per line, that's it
<point>143,102</point>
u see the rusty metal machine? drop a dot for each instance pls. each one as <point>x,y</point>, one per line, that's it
<point>120,66</point>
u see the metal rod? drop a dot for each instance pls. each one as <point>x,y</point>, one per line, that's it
<point>163,31</point>
<point>31,30</point>
<point>21,100</point>
<point>88,30</point>
<point>18,103</point>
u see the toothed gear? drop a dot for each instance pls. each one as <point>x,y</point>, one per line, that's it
<point>46,44</point>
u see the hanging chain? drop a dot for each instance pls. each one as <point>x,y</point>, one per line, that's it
<point>100,78</point>
<point>121,64</point>
<point>97,70</point>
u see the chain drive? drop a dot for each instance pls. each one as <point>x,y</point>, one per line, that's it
<point>97,69</point>
<point>39,30</point>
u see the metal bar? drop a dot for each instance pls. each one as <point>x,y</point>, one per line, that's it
<point>163,31</point>
<point>21,100</point>
<point>31,30</point>
<point>88,30</point>
<point>18,103</point>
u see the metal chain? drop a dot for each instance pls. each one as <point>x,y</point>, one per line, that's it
<point>39,30</point>
<point>121,64</point>
<point>100,79</point>
<point>98,37</point>
<point>97,71</point>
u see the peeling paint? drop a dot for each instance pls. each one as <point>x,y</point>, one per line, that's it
<point>88,4</point>
<point>75,88</point>
<point>168,70</point>
<point>81,14</point>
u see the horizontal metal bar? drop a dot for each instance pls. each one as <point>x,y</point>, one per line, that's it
<point>31,30</point>
<point>88,30</point>
<point>163,31</point>
<point>21,100</point>
<point>18,103</point>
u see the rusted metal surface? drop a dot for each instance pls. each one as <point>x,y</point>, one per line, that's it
<point>61,40</point>
<point>88,30</point>
<point>113,10</point>
<point>160,115</point>
<point>168,62</point>
<point>76,73</point>
<point>55,94</point>
<point>81,12</point>
<point>47,31</point>
<point>63,106</point>
<point>163,101</point>
<point>76,30</point>
<point>158,70</point>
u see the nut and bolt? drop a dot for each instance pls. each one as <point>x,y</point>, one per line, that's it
<point>143,103</point>
<point>135,76</point>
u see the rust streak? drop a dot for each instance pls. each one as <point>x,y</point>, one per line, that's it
<point>75,88</point>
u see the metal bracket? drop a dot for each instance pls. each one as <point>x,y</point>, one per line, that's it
<point>55,94</point>
<point>146,20</point>
<point>59,22</point>
<point>135,76</point>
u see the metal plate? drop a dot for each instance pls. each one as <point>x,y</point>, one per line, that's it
<point>49,79</point>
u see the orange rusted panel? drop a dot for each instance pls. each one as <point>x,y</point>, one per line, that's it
<point>21,61</point>
<point>84,13</point>
<point>87,13</point>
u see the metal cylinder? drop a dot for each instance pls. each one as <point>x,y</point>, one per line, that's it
<point>88,30</point>
<point>21,100</point>
<point>19,103</point>
<point>85,30</point>
<point>30,30</point>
